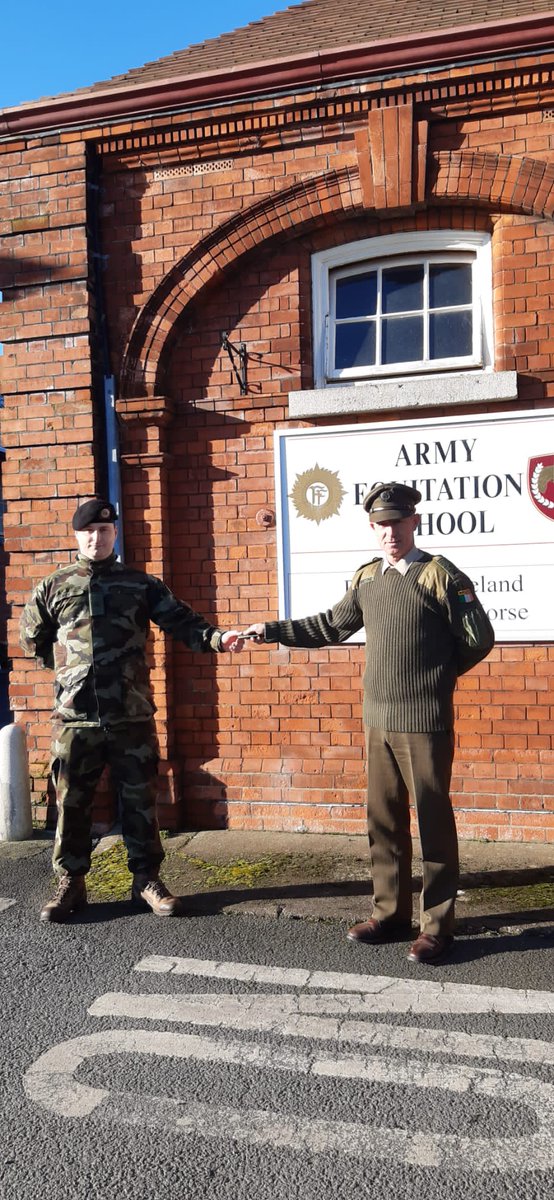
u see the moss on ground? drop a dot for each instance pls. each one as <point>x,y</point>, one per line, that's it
<point>511,899</point>
<point>109,877</point>
<point>238,873</point>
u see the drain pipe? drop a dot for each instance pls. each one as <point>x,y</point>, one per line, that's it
<point>111,430</point>
<point>113,460</point>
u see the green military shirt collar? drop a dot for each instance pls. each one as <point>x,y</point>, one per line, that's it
<point>97,567</point>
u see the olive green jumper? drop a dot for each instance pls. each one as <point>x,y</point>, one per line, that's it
<point>423,629</point>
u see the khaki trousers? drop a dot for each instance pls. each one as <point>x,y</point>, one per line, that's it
<point>400,765</point>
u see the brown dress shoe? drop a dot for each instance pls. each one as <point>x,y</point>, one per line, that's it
<point>70,895</point>
<point>428,948</point>
<point>150,892</point>
<point>378,931</point>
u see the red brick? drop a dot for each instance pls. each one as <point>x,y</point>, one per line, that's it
<point>275,739</point>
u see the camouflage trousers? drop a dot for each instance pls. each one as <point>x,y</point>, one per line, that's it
<point>80,754</point>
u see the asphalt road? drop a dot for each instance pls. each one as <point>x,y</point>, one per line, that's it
<point>248,1056</point>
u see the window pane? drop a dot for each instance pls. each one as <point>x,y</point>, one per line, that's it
<point>403,339</point>
<point>449,285</point>
<point>355,345</point>
<point>356,295</point>
<point>450,335</point>
<point>402,289</point>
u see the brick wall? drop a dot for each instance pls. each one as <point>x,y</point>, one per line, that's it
<point>274,739</point>
<point>212,229</point>
<point>47,421</point>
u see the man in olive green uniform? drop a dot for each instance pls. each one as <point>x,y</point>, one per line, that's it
<point>90,623</point>
<point>424,627</point>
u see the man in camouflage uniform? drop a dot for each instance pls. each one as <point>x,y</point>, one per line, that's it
<point>90,622</point>
<point>424,627</point>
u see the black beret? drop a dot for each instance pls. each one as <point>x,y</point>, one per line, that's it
<point>94,512</point>
<point>391,502</point>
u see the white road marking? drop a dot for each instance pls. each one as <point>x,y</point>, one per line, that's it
<point>387,993</point>
<point>318,1017</point>
<point>389,1054</point>
<point>6,903</point>
<point>51,1082</point>
<point>243,972</point>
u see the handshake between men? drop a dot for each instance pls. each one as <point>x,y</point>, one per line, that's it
<point>424,627</point>
<point>234,640</point>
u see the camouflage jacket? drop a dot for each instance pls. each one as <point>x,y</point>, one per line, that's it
<point>90,622</point>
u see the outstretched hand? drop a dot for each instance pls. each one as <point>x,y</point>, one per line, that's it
<point>255,633</point>
<point>234,639</point>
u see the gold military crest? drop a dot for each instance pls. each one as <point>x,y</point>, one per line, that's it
<point>317,494</point>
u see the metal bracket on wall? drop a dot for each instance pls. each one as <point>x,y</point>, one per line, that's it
<point>237,354</point>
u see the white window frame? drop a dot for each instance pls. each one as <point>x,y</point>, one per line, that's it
<point>408,248</point>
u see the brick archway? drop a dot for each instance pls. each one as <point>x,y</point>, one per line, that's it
<point>309,202</point>
<point>500,181</point>
<point>496,181</point>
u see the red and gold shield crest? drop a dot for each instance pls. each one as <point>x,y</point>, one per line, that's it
<point>540,479</point>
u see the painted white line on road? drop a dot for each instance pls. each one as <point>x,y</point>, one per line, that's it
<point>402,1147</point>
<point>315,1017</point>
<point>243,972</point>
<point>51,1082</point>
<point>6,903</point>
<point>388,994</point>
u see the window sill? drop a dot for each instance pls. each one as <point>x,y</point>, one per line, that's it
<point>467,387</point>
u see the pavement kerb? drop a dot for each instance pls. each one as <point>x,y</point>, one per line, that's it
<point>327,877</point>
<point>476,857</point>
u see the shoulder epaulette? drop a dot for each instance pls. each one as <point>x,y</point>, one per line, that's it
<point>451,569</point>
<point>373,562</point>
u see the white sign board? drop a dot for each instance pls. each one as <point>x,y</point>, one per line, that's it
<point>487,486</point>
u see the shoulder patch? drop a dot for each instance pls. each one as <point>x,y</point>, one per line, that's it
<point>466,595</point>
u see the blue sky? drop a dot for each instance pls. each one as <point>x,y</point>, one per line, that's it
<point>46,48</point>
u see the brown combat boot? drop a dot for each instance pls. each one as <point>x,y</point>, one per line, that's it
<point>150,892</point>
<point>70,894</point>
